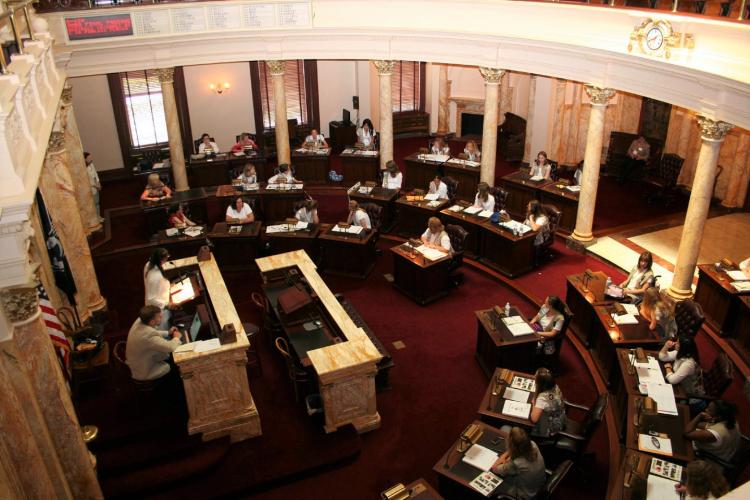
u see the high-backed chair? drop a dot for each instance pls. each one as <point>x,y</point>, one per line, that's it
<point>452,185</point>
<point>554,170</point>
<point>689,317</point>
<point>663,179</point>
<point>511,137</point>
<point>553,215</point>
<point>617,151</point>
<point>574,439</point>
<point>501,197</point>
<point>297,376</point>
<point>375,212</point>
<point>733,468</point>
<point>458,236</point>
<point>552,481</point>
<point>717,378</point>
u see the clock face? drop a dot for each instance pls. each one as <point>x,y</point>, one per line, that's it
<point>654,38</point>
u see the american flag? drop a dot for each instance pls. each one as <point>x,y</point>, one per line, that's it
<point>54,330</point>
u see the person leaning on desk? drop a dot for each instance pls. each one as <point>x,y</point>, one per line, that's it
<point>521,466</point>
<point>308,212</point>
<point>177,218</point>
<point>245,143</point>
<point>682,365</point>
<point>239,212</point>
<point>439,147</point>
<point>315,141</point>
<point>437,186</point>
<point>715,431</point>
<point>436,237</point>
<point>284,176</point>
<point>483,199</point>
<point>471,152</point>
<point>248,175</point>
<point>147,349</point>
<point>541,167</point>
<point>155,189</point>
<point>358,216</point>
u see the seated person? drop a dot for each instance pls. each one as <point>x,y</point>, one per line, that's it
<point>537,220</point>
<point>682,364</point>
<point>207,143</point>
<point>155,189</point>
<point>483,199</point>
<point>703,481</point>
<point>245,143</point>
<point>745,267</point>
<point>578,174</point>
<point>308,212</point>
<point>315,141</point>
<point>548,323</point>
<point>147,348</point>
<point>248,175</point>
<point>641,277</point>
<point>358,216</point>
<point>715,430</point>
<point>240,212</point>
<point>521,466</point>
<point>437,186</point>
<point>548,411</point>
<point>659,315</point>
<point>284,176</point>
<point>177,217</point>
<point>366,134</point>
<point>436,237</point>
<point>541,167</point>
<point>471,152</point>
<point>439,147</point>
<point>392,177</point>
<point>638,153</point>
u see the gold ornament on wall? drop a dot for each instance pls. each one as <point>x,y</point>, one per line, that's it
<point>655,37</point>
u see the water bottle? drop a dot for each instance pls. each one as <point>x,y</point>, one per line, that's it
<point>608,283</point>
<point>507,309</point>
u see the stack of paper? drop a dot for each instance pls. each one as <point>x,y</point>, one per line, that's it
<point>301,225</point>
<point>631,309</point>
<point>574,189</point>
<point>472,210</point>
<point>661,488</point>
<point>365,190</point>
<point>512,320</point>
<point>485,213</point>
<point>280,228</point>
<point>663,395</point>
<point>193,231</point>
<point>480,457</point>
<point>433,157</point>
<point>516,226</point>
<point>207,345</point>
<point>516,409</point>
<point>738,275</point>
<point>519,329</point>
<point>364,152</point>
<point>648,372</point>
<point>456,208</point>
<point>431,196</point>
<point>348,151</point>
<point>536,178</point>
<point>431,253</point>
<point>625,319</point>
<point>741,286</point>
<point>655,444</point>
<point>350,229</point>
<point>434,203</point>
<point>516,395</point>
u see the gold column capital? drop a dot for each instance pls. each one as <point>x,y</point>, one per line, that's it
<point>713,130</point>
<point>166,75</point>
<point>384,67</point>
<point>492,76</point>
<point>276,68</point>
<point>56,143</point>
<point>21,304</point>
<point>599,96</point>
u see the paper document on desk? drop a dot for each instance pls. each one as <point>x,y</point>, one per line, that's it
<point>520,329</point>
<point>655,444</point>
<point>207,345</point>
<point>526,384</point>
<point>300,150</point>
<point>536,178</point>
<point>280,228</point>
<point>574,189</point>
<point>659,488</point>
<point>663,395</point>
<point>738,275</point>
<point>516,409</point>
<point>666,469</point>
<point>193,231</point>
<point>470,163</point>
<point>512,320</point>
<point>625,319</point>
<point>480,457</point>
<point>365,190</point>
<point>485,483</point>
<point>434,203</point>
<point>431,196</point>
<point>631,309</point>
<point>485,213</point>
<point>456,208</point>
<point>348,151</point>
<point>349,230</point>
<point>516,226</point>
<point>431,253</point>
<point>301,225</point>
<point>516,395</point>
<point>472,210</point>
<point>741,286</point>
<point>367,153</point>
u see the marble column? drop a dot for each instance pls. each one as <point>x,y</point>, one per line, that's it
<point>591,162</point>
<point>77,164</point>
<point>530,120</point>
<point>492,78</point>
<point>176,153</point>
<point>283,152</point>
<point>43,370</point>
<point>57,188</point>
<point>444,95</point>
<point>385,70</point>
<point>506,99</point>
<point>712,134</point>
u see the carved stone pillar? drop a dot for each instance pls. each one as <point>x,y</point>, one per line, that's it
<point>444,95</point>
<point>492,77</point>
<point>506,99</point>
<point>77,164</point>
<point>591,163</point>
<point>385,70</point>
<point>176,154</point>
<point>43,370</point>
<point>530,120</point>
<point>712,133</point>
<point>57,188</point>
<point>283,152</point>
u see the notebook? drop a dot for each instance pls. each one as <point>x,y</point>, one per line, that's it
<point>517,409</point>
<point>480,457</point>
<point>516,395</point>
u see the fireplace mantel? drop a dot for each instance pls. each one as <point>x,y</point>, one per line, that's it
<point>473,105</point>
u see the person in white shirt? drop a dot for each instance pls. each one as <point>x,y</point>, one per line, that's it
<point>248,175</point>
<point>537,220</point>
<point>357,216</point>
<point>315,140</point>
<point>745,267</point>
<point>393,177</point>
<point>366,134</point>
<point>207,144</point>
<point>541,167</point>
<point>308,212</point>
<point>578,174</point>
<point>284,176</point>
<point>439,147</point>
<point>640,278</point>
<point>682,364</point>
<point>240,212</point>
<point>148,348</point>
<point>483,199</point>
<point>716,430</point>
<point>548,323</point>
<point>96,186</point>
<point>436,237</point>
<point>437,186</point>
<point>156,285</point>
<point>703,481</point>
<point>471,151</point>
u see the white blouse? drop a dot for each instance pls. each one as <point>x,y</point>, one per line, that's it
<point>202,147</point>
<point>442,190</point>
<point>392,182</point>
<point>232,212</point>
<point>156,286</point>
<point>440,238</point>
<point>485,205</point>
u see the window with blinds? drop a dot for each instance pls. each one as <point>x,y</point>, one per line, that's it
<point>144,108</point>
<point>295,89</point>
<point>406,86</point>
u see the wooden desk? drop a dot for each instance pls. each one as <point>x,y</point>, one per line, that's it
<point>312,166</point>
<point>213,171</point>
<point>718,298</point>
<point>508,254</point>
<point>638,485</point>
<point>357,165</point>
<point>180,246</point>
<point>565,200</point>
<point>521,190</point>
<point>155,212</point>
<point>419,173</point>
<point>305,240</point>
<point>216,387</point>
<point>384,198</point>
<point>467,177</point>
<point>741,338</point>
<point>491,406</point>
<point>454,475</point>
<point>345,370</point>
<point>471,223</point>
<point>422,490</point>
<point>413,215</point>
<point>347,254</point>
<point>278,204</point>
<point>672,426</point>
<point>581,300</point>
<point>235,250</point>
<point>418,278</point>
<point>496,346</point>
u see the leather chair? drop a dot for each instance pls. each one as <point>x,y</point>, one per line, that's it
<point>554,478</point>
<point>452,185</point>
<point>458,236</point>
<point>375,212</point>
<point>501,197</point>
<point>511,137</point>
<point>617,151</point>
<point>733,468</point>
<point>717,378</point>
<point>663,179</point>
<point>554,170</point>
<point>574,439</point>
<point>269,323</point>
<point>553,215</point>
<point>119,353</point>
<point>297,375</point>
<point>689,317</point>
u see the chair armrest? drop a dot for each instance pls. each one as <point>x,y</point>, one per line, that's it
<point>575,437</point>
<point>575,405</point>
<point>723,463</point>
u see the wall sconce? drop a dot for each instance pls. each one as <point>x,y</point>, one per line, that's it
<point>219,88</point>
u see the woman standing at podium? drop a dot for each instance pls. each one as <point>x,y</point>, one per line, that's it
<point>156,285</point>
<point>366,134</point>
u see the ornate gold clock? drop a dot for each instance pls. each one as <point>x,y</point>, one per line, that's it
<point>654,38</point>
